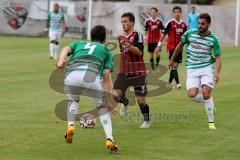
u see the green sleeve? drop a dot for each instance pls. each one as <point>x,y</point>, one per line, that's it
<point>184,37</point>
<point>49,17</point>
<point>72,46</point>
<point>108,63</point>
<point>216,47</point>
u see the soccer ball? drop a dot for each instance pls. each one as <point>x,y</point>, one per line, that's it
<point>87,120</point>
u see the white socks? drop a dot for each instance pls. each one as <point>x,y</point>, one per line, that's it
<point>72,111</point>
<point>198,98</point>
<point>209,107</point>
<point>106,122</point>
<point>54,50</point>
<point>104,117</point>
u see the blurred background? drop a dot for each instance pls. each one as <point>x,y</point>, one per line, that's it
<point>28,17</point>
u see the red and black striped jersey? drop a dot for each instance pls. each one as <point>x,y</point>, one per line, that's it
<point>153,28</point>
<point>131,63</point>
<point>174,30</point>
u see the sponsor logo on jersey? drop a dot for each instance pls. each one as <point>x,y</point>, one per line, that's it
<point>178,30</point>
<point>200,47</point>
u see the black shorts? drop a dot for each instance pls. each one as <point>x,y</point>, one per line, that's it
<point>178,59</point>
<point>139,84</point>
<point>151,47</point>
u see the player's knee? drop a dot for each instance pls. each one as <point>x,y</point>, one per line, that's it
<point>117,95</point>
<point>192,94</point>
<point>141,102</point>
<point>206,95</point>
<point>141,105</point>
<point>206,92</point>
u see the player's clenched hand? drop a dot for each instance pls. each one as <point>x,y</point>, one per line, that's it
<point>60,64</point>
<point>217,78</point>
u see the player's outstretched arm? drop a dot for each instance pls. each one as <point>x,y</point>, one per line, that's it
<point>218,68</point>
<point>63,56</point>
<point>178,49</point>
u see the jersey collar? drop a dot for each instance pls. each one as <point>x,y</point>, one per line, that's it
<point>154,20</point>
<point>177,21</point>
<point>129,34</point>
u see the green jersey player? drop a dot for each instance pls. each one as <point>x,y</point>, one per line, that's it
<point>54,25</point>
<point>88,61</point>
<point>201,44</point>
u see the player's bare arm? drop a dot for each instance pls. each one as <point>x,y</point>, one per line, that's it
<point>162,37</point>
<point>135,50</point>
<point>46,28</point>
<point>159,48</point>
<point>64,27</point>
<point>107,80</point>
<point>107,86</point>
<point>63,56</point>
<point>218,68</point>
<point>178,49</point>
<point>145,36</point>
<point>132,48</point>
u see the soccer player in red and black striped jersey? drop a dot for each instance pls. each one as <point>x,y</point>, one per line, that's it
<point>132,68</point>
<point>152,33</point>
<point>174,28</point>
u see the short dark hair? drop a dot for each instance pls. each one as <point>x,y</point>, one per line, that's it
<point>154,8</point>
<point>205,16</point>
<point>130,15</point>
<point>98,33</point>
<point>176,8</point>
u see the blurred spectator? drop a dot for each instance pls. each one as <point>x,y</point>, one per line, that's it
<point>193,19</point>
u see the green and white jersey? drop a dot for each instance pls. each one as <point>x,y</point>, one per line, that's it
<point>55,20</point>
<point>89,56</point>
<point>199,49</point>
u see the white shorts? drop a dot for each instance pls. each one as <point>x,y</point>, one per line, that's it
<point>84,83</point>
<point>54,35</point>
<point>199,77</point>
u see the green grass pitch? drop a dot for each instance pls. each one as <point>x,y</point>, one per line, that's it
<point>31,131</point>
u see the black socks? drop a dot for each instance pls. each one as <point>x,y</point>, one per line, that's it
<point>145,112</point>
